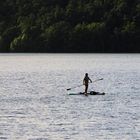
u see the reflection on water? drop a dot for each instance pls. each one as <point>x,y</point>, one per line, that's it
<point>34,104</point>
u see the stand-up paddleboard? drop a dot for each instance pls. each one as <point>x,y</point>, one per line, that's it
<point>89,93</point>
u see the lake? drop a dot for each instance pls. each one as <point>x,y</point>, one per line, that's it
<point>35,105</point>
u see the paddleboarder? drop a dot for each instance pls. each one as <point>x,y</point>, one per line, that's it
<point>86,81</point>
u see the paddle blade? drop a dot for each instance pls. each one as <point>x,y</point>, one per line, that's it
<point>69,89</point>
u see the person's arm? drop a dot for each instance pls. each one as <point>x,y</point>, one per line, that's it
<point>90,80</point>
<point>84,81</point>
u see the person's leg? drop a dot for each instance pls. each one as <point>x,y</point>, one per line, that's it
<point>86,89</point>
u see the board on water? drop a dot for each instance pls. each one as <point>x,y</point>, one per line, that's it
<point>89,93</point>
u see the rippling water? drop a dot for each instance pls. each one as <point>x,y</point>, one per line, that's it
<point>35,105</point>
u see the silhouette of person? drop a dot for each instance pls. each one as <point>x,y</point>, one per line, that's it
<point>86,81</point>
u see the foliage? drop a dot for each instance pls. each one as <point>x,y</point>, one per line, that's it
<point>70,26</point>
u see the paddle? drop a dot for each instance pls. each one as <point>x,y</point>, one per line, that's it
<point>82,84</point>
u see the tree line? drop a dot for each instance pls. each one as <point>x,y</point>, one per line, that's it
<point>70,26</point>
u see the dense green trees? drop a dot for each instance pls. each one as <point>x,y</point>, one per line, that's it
<point>70,26</point>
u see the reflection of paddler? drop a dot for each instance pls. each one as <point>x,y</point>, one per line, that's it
<point>86,81</point>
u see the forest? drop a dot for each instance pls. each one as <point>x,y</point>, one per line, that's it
<point>58,26</point>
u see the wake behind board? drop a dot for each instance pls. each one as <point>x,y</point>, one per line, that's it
<point>89,93</point>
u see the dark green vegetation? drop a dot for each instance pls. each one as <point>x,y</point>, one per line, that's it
<point>69,26</point>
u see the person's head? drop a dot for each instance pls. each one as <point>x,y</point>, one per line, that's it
<point>86,74</point>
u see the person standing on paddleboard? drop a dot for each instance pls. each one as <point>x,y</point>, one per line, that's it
<point>86,81</point>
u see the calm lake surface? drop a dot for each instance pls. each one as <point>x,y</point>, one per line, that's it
<point>35,105</point>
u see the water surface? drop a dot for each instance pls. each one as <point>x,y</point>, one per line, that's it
<point>35,105</point>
